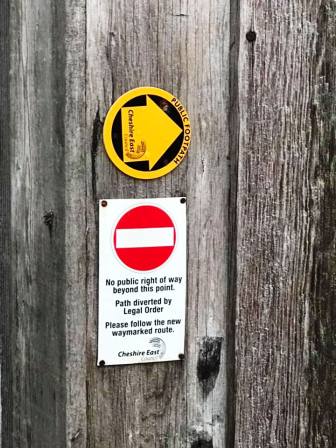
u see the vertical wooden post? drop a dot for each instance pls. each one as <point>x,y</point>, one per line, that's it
<point>35,333</point>
<point>184,49</point>
<point>285,337</point>
<point>259,84</point>
<point>78,263</point>
<point>5,232</point>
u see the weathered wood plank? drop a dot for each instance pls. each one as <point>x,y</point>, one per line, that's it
<point>321,395</point>
<point>263,115</point>
<point>5,232</point>
<point>182,47</point>
<point>76,146</point>
<point>36,416</point>
<point>55,227</point>
<point>285,339</point>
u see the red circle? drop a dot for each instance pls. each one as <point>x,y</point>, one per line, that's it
<point>144,238</point>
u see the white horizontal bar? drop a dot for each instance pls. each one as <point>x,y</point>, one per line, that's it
<point>153,237</point>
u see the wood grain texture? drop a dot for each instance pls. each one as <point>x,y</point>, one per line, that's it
<point>285,339</point>
<point>37,306</point>
<point>5,230</point>
<point>69,63</point>
<point>77,146</point>
<point>260,366</point>
<point>181,47</point>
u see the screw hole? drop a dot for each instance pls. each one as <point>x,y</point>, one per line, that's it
<point>183,200</point>
<point>104,203</point>
<point>101,363</point>
<point>181,356</point>
<point>251,36</point>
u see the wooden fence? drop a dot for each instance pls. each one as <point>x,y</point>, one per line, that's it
<point>258,80</point>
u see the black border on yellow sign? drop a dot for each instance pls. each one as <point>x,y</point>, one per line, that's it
<point>107,133</point>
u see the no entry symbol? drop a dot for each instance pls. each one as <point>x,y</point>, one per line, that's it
<point>144,238</point>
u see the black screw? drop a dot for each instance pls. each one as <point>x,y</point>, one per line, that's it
<point>104,203</point>
<point>251,36</point>
<point>183,200</point>
<point>181,356</point>
<point>101,363</point>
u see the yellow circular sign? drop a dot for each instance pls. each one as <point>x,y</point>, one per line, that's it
<point>147,133</point>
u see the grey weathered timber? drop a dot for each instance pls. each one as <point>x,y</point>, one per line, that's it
<point>69,62</point>
<point>258,80</point>
<point>35,416</point>
<point>285,333</point>
<point>78,299</point>
<point>184,49</point>
<point>5,230</point>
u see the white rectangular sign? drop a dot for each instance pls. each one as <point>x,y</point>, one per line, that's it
<point>142,280</point>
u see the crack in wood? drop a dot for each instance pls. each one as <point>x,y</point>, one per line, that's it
<point>96,132</point>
